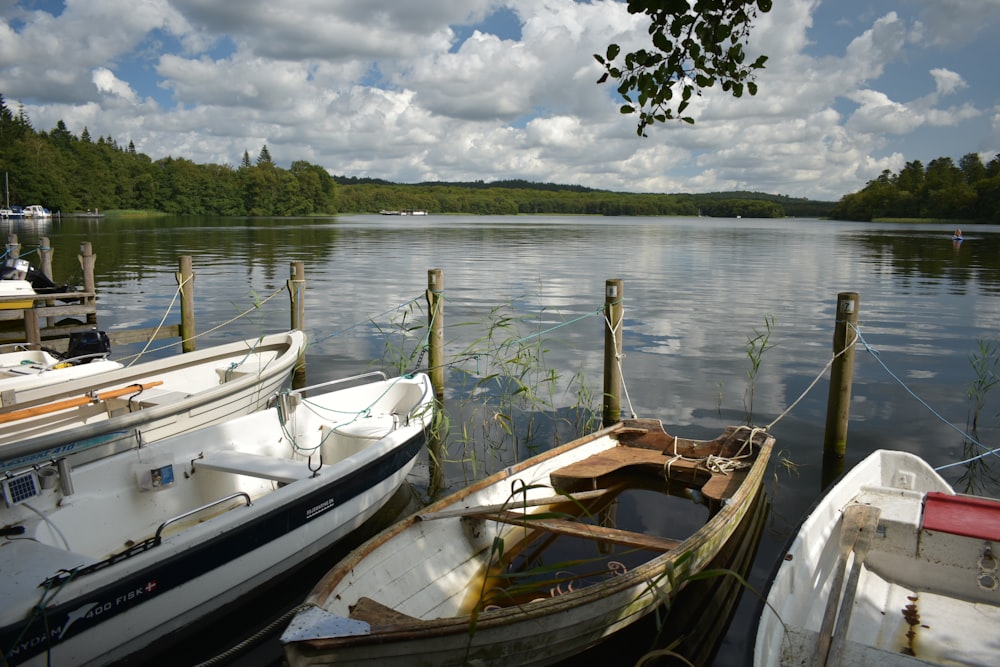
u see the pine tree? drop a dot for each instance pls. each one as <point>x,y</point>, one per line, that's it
<point>264,157</point>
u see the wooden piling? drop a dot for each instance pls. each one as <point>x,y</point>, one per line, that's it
<point>613,310</point>
<point>435,333</point>
<point>185,279</point>
<point>297,297</point>
<point>435,363</point>
<point>297,294</point>
<point>841,376</point>
<point>88,260</point>
<point>45,258</point>
<point>13,247</point>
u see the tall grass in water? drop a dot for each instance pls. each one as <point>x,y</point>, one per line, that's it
<point>985,362</point>
<point>757,345</point>
<point>503,399</point>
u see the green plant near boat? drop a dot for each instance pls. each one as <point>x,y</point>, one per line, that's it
<point>756,346</point>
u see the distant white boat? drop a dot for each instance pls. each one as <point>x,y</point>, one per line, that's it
<point>408,211</point>
<point>36,211</point>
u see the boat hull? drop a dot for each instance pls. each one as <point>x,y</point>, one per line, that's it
<point>100,610</point>
<point>184,392</point>
<point>445,553</point>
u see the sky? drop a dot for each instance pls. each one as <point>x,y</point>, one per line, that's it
<point>464,90</point>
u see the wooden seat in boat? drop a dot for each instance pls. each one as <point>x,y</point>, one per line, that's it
<point>598,471</point>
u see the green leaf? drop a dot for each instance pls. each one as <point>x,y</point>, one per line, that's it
<point>613,51</point>
<point>661,42</point>
<point>627,109</point>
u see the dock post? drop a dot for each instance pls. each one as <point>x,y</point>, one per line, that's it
<point>13,247</point>
<point>45,257</point>
<point>297,294</point>
<point>435,364</point>
<point>838,406</point>
<point>613,311</point>
<point>45,266</point>
<point>185,280</point>
<point>88,260</point>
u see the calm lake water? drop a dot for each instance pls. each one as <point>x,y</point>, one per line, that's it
<point>695,291</point>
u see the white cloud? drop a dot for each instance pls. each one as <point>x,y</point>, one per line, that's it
<point>383,88</point>
<point>107,82</point>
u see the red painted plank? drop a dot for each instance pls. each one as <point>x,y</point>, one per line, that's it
<point>962,515</point>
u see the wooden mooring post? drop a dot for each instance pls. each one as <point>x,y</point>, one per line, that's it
<point>614,293</point>
<point>838,406</point>
<point>435,370</point>
<point>297,295</point>
<point>185,283</point>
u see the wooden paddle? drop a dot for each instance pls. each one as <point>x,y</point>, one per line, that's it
<point>75,402</point>
<point>869,521</point>
<point>850,528</point>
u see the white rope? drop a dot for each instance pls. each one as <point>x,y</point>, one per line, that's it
<point>619,357</point>
<point>721,464</point>
<point>815,380</point>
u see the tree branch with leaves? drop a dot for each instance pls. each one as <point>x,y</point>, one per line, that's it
<point>696,44</point>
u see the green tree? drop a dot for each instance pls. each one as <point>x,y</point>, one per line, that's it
<point>972,168</point>
<point>264,157</point>
<point>695,45</point>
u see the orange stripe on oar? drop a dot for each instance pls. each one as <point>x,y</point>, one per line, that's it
<point>75,402</point>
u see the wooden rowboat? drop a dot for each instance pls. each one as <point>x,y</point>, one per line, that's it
<point>93,416</point>
<point>101,560</point>
<point>477,578</point>
<point>892,567</point>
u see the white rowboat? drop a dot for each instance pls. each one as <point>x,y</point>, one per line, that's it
<point>891,568</point>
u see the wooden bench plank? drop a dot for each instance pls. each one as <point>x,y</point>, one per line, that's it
<point>584,530</point>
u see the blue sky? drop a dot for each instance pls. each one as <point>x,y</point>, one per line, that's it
<point>458,90</point>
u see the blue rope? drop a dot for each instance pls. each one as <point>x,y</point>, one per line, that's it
<point>989,450</point>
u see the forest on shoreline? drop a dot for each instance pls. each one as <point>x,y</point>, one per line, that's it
<point>68,173</point>
<point>968,191</point>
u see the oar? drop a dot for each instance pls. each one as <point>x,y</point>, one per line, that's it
<point>75,402</point>
<point>861,547</point>
<point>850,528</point>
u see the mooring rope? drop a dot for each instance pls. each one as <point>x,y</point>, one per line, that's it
<point>243,314</point>
<point>989,450</point>
<point>619,357</point>
<point>254,638</point>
